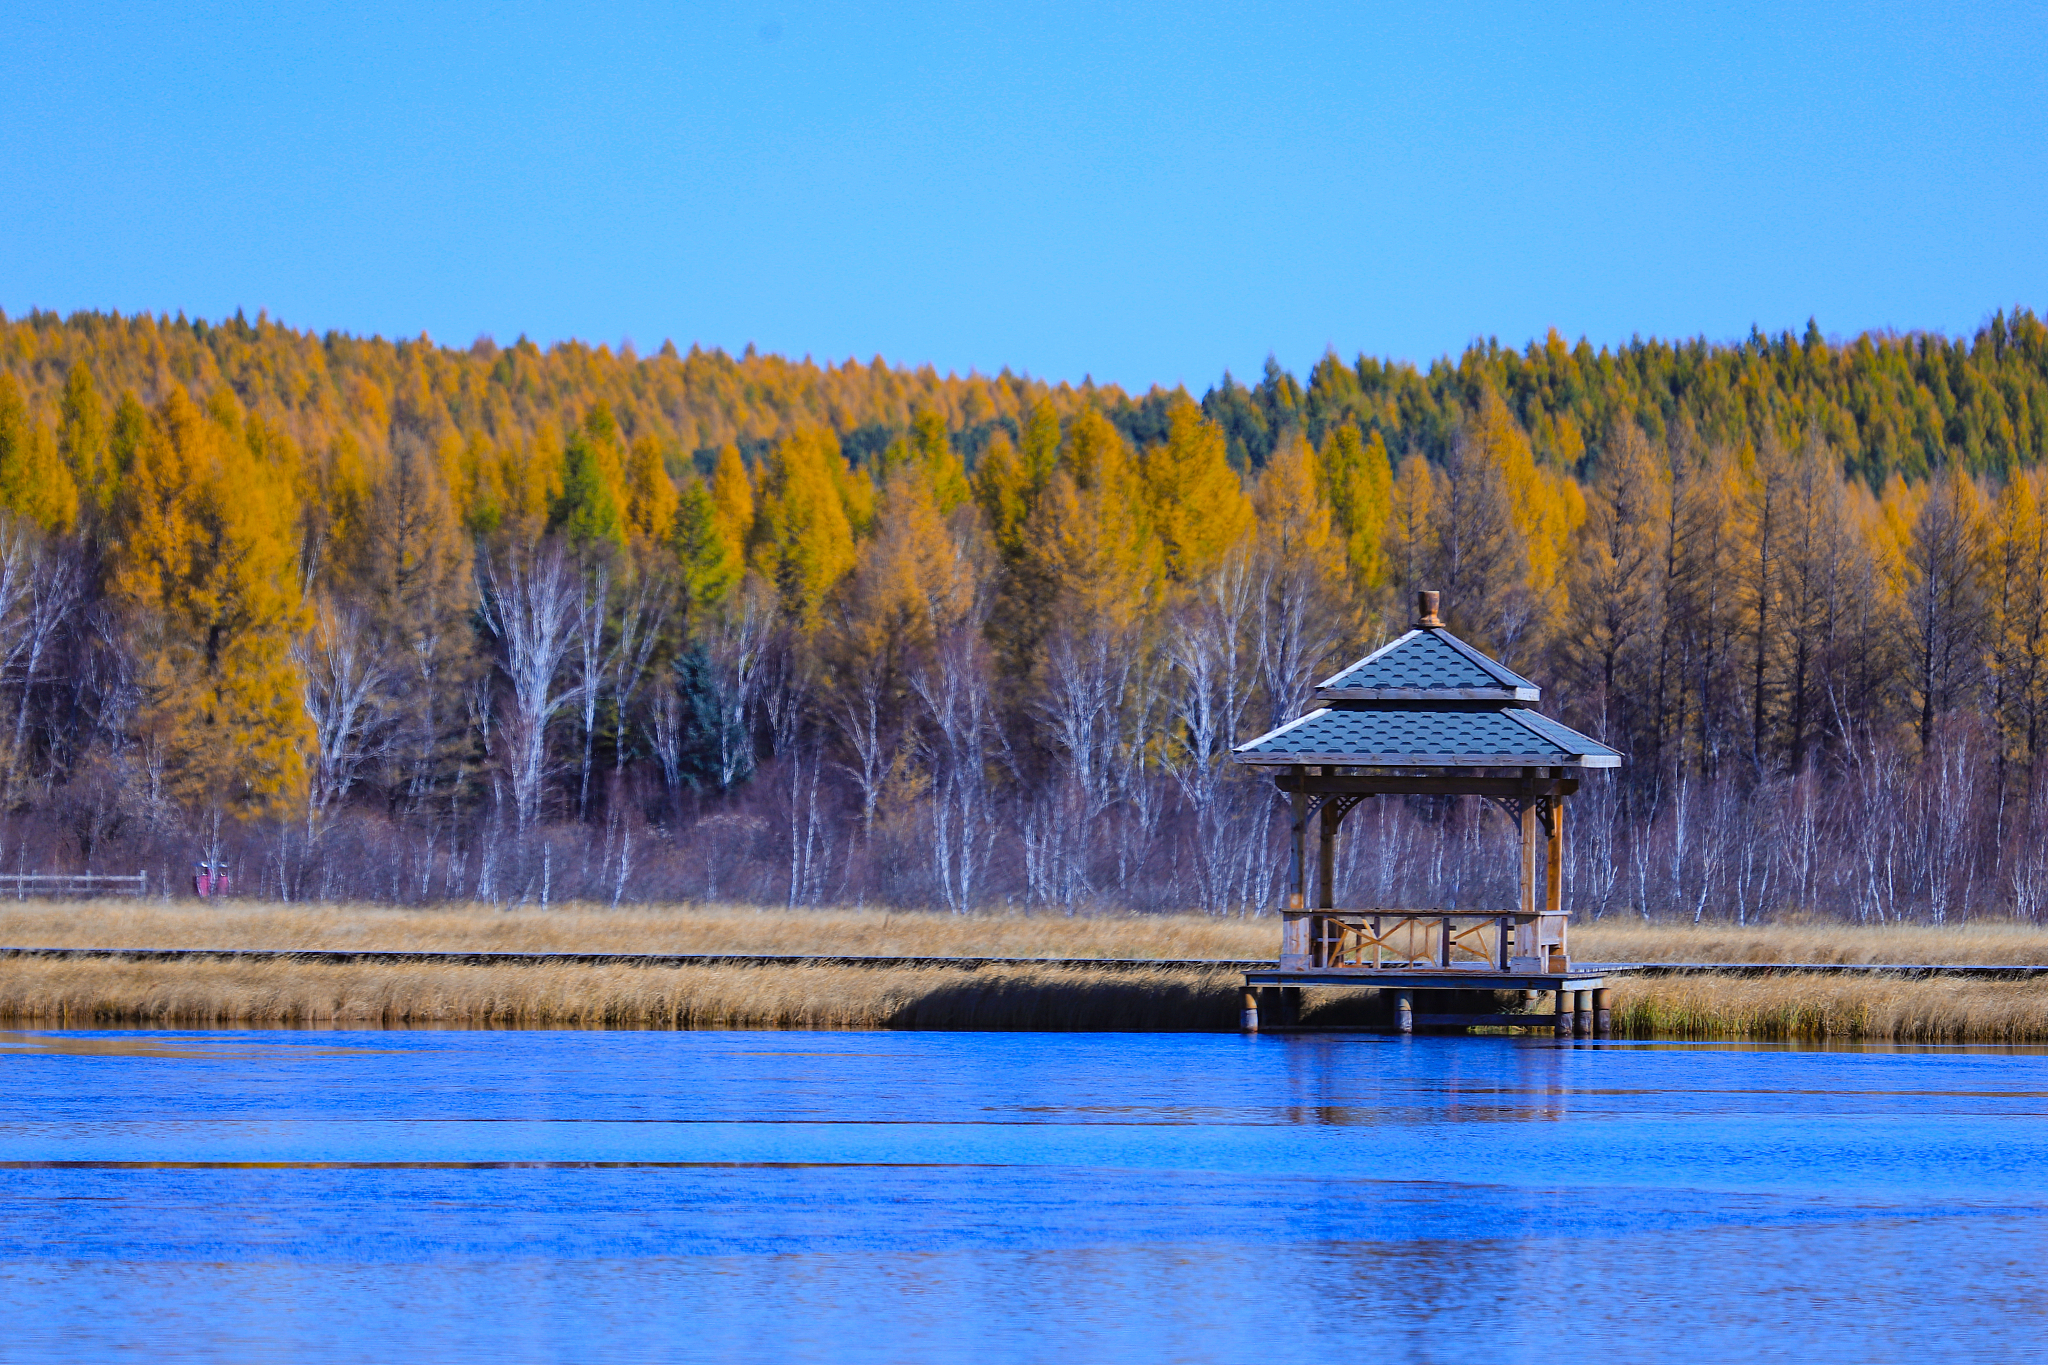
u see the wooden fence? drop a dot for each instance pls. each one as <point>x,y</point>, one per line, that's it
<point>22,885</point>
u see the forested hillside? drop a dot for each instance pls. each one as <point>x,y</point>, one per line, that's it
<point>392,619</point>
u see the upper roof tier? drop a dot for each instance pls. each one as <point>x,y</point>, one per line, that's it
<point>1427,664</point>
<point>1428,700</point>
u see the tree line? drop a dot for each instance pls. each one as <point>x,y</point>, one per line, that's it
<point>399,620</point>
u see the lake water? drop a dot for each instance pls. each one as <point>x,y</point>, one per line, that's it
<point>441,1196</point>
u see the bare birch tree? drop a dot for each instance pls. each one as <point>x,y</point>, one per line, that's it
<point>342,678</point>
<point>1215,674</point>
<point>739,646</point>
<point>592,616</point>
<point>643,613</point>
<point>1084,693</point>
<point>529,600</point>
<point>954,687</point>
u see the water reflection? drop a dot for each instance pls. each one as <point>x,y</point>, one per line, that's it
<point>921,1196</point>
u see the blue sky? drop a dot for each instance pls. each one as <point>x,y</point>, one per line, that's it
<point>1144,193</point>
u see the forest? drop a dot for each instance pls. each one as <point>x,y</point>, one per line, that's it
<point>398,621</point>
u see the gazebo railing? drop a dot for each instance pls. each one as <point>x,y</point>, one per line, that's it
<point>1422,940</point>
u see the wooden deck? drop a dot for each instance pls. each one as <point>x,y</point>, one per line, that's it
<point>1581,1005</point>
<point>1409,978</point>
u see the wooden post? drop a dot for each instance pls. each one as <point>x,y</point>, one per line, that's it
<point>1565,1018</point>
<point>1326,855</point>
<point>1553,879</point>
<point>1248,1016</point>
<point>1584,1025</point>
<point>1529,829</point>
<point>1404,1011</point>
<point>1603,1013</point>
<point>1297,898</point>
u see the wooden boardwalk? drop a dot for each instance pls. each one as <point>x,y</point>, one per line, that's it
<point>496,959</point>
<point>1266,970</point>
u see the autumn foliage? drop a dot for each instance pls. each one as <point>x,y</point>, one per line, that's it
<point>850,630</point>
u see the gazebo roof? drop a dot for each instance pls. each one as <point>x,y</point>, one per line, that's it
<point>1461,734</point>
<point>1427,664</point>
<point>1427,700</point>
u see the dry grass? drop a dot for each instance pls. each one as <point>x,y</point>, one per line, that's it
<point>110,991</point>
<point>102,992</point>
<point>740,929</point>
<point>1812,1008</point>
<point>667,929</point>
<point>1815,1007</point>
<point>1987,942</point>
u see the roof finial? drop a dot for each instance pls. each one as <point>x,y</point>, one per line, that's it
<point>1425,610</point>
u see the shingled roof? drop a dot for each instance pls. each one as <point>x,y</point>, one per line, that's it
<point>1428,700</point>
<point>1427,664</point>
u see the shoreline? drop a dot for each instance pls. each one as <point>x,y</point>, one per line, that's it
<point>247,964</point>
<point>113,992</point>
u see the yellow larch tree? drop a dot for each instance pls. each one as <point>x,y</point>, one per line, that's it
<point>2019,626</point>
<point>650,493</point>
<point>204,566</point>
<point>34,482</point>
<point>1002,494</point>
<point>339,498</point>
<point>1038,445</point>
<point>475,473</point>
<point>732,500</point>
<point>911,575</point>
<point>1306,611</point>
<point>1544,506</point>
<point>532,474</point>
<point>708,562</point>
<point>1194,501</point>
<point>1410,536</point>
<point>1358,483</point>
<point>600,429</point>
<point>1089,553</point>
<point>857,494</point>
<point>1294,518</point>
<point>910,585</point>
<point>937,464</point>
<point>1616,582</point>
<point>84,441</point>
<point>803,539</point>
<point>1095,450</point>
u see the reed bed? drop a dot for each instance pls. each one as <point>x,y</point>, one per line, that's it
<point>1807,1008</point>
<point>112,991</point>
<point>1986,942</point>
<point>747,929</point>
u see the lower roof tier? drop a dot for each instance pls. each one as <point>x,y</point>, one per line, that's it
<point>1428,735</point>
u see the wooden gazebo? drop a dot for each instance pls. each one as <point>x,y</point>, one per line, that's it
<point>1429,715</point>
